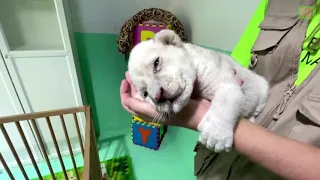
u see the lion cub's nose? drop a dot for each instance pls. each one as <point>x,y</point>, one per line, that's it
<point>159,95</point>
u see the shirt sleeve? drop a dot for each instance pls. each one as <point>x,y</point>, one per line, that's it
<point>242,51</point>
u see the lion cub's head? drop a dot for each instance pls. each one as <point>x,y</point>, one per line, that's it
<point>162,72</point>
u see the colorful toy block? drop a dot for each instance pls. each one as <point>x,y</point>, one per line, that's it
<point>146,30</point>
<point>147,134</point>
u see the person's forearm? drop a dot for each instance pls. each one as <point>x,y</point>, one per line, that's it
<point>192,114</point>
<point>287,158</point>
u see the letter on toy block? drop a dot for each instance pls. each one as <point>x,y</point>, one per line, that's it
<point>147,134</point>
<point>145,35</point>
<point>144,134</point>
<point>145,31</point>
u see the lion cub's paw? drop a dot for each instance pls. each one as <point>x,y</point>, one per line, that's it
<point>215,133</point>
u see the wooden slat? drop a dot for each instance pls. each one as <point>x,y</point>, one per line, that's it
<point>93,170</point>
<point>78,132</point>
<point>25,142</point>
<point>96,152</point>
<point>43,149</point>
<point>56,147</point>
<point>14,152</point>
<point>42,114</point>
<point>4,164</point>
<point>69,145</point>
<point>87,150</point>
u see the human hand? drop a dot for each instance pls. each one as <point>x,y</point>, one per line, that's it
<point>189,117</point>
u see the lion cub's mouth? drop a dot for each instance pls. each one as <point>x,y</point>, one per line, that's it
<point>165,105</point>
<point>166,100</point>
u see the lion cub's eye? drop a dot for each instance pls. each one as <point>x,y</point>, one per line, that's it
<point>156,62</point>
<point>156,65</point>
<point>145,94</point>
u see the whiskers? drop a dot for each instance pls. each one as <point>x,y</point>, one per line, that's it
<point>164,117</point>
<point>157,118</point>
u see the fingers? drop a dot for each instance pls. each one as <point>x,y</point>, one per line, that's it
<point>203,101</point>
<point>128,77</point>
<point>133,105</point>
<point>133,89</point>
<point>129,110</point>
<point>125,94</point>
<point>124,87</point>
<point>140,107</point>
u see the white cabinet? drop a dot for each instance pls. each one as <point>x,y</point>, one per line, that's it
<point>39,71</point>
<point>10,105</point>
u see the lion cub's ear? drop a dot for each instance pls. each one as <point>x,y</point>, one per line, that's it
<point>168,37</point>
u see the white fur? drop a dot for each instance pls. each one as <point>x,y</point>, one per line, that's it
<point>180,64</point>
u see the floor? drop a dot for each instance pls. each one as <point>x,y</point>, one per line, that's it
<point>43,168</point>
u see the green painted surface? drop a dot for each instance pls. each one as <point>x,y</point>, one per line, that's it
<point>103,69</point>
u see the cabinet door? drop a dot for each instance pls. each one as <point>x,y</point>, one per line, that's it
<point>31,25</point>
<point>46,83</point>
<point>10,105</point>
<point>38,54</point>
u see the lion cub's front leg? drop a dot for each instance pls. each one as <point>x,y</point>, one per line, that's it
<point>183,100</point>
<point>217,126</point>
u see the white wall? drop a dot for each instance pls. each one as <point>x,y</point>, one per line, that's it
<point>217,23</point>
<point>107,16</point>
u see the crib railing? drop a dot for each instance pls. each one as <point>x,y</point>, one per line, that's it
<point>92,169</point>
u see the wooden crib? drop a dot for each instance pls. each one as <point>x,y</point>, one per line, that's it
<point>92,169</point>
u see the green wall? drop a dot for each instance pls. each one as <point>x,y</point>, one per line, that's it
<point>103,68</point>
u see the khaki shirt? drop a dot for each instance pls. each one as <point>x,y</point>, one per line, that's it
<point>292,110</point>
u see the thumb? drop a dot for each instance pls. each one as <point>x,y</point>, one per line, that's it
<point>140,107</point>
<point>133,89</point>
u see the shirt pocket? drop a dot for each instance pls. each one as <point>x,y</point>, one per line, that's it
<point>307,126</point>
<point>272,51</point>
<point>273,28</point>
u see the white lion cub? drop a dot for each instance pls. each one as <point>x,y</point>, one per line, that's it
<point>164,71</point>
